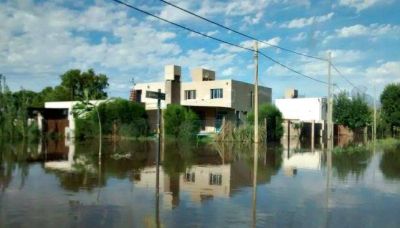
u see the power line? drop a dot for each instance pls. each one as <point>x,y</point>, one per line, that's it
<point>291,69</point>
<point>181,26</point>
<point>340,73</point>
<point>217,39</point>
<point>240,33</point>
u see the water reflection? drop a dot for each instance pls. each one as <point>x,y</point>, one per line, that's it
<point>390,164</point>
<point>199,185</point>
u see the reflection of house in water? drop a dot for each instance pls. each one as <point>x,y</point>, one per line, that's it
<point>200,181</point>
<point>63,165</point>
<point>207,181</point>
<point>169,186</point>
<point>295,159</point>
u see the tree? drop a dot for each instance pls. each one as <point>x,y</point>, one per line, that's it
<point>390,100</point>
<point>181,122</point>
<point>274,120</point>
<point>353,113</point>
<point>75,82</point>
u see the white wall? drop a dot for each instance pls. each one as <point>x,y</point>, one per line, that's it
<point>150,103</point>
<point>304,109</point>
<point>69,105</point>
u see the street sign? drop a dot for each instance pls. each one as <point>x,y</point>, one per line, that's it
<point>155,95</point>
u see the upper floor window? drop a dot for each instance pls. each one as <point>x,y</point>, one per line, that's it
<point>216,93</point>
<point>190,94</point>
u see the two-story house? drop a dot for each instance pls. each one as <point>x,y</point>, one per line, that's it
<point>213,100</point>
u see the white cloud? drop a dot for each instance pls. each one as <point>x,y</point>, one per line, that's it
<point>344,55</point>
<point>228,71</point>
<point>299,37</point>
<point>303,22</point>
<point>253,20</point>
<point>388,71</point>
<point>360,5</point>
<point>210,33</point>
<point>272,41</point>
<point>371,30</point>
<point>270,24</point>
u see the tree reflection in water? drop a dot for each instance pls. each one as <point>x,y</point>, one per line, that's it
<point>390,163</point>
<point>351,160</point>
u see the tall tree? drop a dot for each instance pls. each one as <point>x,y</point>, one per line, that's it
<point>75,82</point>
<point>352,112</point>
<point>390,100</point>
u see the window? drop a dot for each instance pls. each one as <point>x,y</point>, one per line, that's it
<point>190,94</point>
<point>215,179</point>
<point>216,93</point>
<point>190,177</point>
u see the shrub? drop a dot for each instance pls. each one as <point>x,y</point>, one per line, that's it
<point>129,118</point>
<point>274,121</point>
<point>180,122</point>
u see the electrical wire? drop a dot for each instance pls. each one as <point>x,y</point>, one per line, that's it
<point>217,39</point>
<point>340,73</point>
<point>240,33</point>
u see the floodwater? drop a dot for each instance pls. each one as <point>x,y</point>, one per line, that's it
<point>54,184</point>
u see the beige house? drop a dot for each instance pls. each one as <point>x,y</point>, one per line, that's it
<point>213,100</point>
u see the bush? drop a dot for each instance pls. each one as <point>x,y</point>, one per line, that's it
<point>274,121</point>
<point>180,122</point>
<point>129,119</point>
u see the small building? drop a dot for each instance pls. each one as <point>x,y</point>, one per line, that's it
<point>213,100</point>
<point>300,113</point>
<point>57,117</point>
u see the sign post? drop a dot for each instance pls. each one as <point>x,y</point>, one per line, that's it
<point>159,96</point>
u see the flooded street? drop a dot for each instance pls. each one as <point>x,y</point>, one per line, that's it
<point>217,185</point>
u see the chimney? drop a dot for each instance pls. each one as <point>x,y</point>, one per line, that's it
<point>201,74</point>
<point>172,74</point>
<point>291,93</point>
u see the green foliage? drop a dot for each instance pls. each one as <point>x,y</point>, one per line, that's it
<point>274,121</point>
<point>119,116</point>
<point>243,133</point>
<point>181,122</point>
<point>389,144</point>
<point>351,112</point>
<point>390,100</point>
<point>13,112</point>
<point>76,82</point>
<point>352,159</point>
<point>390,162</point>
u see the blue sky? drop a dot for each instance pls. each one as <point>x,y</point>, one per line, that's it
<point>39,40</point>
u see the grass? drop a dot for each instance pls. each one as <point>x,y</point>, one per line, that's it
<point>350,150</point>
<point>389,143</point>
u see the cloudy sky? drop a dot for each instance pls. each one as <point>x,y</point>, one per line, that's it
<point>39,40</point>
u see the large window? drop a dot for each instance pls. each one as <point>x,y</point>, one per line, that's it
<point>190,94</point>
<point>216,93</point>
<point>215,179</point>
<point>190,177</point>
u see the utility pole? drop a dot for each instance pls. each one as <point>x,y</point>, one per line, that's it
<point>330,106</point>
<point>256,138</point>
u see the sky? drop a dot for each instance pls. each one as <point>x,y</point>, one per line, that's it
<point>40,40</point>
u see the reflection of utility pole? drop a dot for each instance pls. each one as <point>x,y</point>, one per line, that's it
<point>254,200</point>
<point>374,130</point>
<point>157,206</point>
<point>328,184</point>
<point>256,139</point>
<point>330,106</point>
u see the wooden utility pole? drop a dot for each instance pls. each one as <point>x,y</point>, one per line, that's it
<point>256,138</point>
